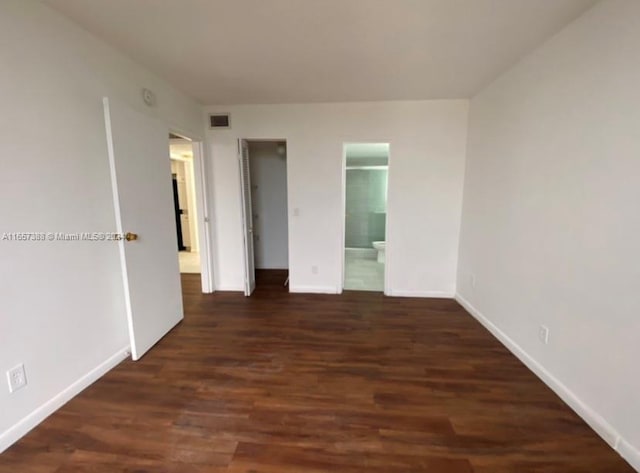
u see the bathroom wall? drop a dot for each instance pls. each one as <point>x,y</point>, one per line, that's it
<point>366,207</point>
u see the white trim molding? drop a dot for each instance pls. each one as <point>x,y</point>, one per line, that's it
<point>22,427</point>
<point>314,289</point>
<point>629,453</point>
<point>426,294</point>
<point>230,288</point>
<point>590,416</point>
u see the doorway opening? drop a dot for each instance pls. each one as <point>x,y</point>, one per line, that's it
<point>263,170</point>
<point>186,175</point>
<point>366,169</point>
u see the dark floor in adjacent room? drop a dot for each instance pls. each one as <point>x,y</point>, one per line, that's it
<point>293,383</point>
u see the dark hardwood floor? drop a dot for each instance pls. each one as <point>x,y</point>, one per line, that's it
<point>292,383</point>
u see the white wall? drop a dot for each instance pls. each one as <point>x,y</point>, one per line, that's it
<point>192,204</point>
<point>428,140</point>
<point>551,215</point>
<point>269,204</point>
<point>61,303</point>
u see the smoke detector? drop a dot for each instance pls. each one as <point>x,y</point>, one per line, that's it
<point>148,97</point>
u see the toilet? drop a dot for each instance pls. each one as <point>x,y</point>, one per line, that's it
<point>380,246</point>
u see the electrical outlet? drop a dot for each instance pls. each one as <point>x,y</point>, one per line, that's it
<point>543,334</point>
<point>314,270</point>
<point>17,378</point>
<point>472,280</point>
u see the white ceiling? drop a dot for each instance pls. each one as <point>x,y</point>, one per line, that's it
<point>282,51</point>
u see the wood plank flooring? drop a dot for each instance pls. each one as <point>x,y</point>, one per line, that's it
<point>293,383</point>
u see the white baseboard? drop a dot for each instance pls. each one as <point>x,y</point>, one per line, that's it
<point>430,294</point>
<point>230,288</point>
<point>314,289</point>
<point>22,427</point>
<point>292,288</point>
<point>591,417</point>
<point>629,453</point>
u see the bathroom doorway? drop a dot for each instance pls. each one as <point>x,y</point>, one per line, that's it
<point>366,168</point>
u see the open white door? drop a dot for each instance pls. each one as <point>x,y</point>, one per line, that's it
<point>247,218</point>
<point>141,177</point>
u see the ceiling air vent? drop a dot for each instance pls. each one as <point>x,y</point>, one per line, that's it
<point>219,120</point>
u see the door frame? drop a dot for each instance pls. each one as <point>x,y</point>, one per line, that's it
<point>386,290</point>
<point>202,210</point>
<point>289,211</point>
<point>247,232</point>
